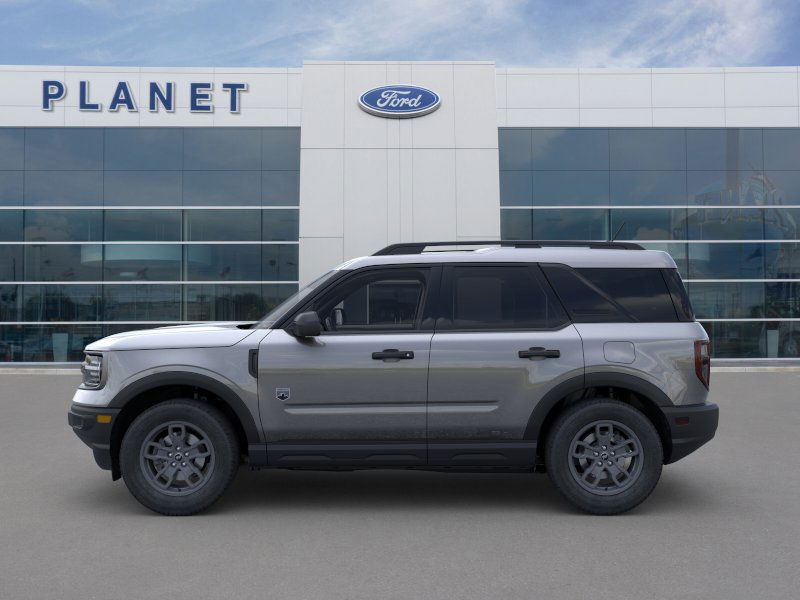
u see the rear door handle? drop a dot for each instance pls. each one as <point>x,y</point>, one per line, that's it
<point>539,352</point>
<point>393,353</point>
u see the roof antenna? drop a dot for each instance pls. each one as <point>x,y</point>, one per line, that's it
<point>613,237</point>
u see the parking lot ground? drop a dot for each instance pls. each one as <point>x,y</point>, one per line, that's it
<point>722,523</point>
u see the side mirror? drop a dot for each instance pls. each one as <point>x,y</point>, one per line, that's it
<point>306,325</point>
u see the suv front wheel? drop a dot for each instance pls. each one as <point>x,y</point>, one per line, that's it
<point>604,456</point>
<point>179,456</point>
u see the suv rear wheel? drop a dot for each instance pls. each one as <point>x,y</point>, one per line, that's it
<point>178,457</point>
<point>604,456</point>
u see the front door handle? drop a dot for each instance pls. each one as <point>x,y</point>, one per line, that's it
<point>539,352</point>
<point>390,353</point>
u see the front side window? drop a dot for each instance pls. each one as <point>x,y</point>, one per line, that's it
<point>500,298</point>
<point>384,300</point>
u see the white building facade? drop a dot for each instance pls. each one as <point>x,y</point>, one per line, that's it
<point>138,197</point>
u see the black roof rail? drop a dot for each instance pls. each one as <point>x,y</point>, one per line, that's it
<point>419,247</point>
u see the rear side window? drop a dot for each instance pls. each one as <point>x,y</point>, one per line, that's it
<point>500,298</point>
<point>585,302</point>
<point>641,292</point>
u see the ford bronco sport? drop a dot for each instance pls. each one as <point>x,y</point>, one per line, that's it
<point>581,359</point>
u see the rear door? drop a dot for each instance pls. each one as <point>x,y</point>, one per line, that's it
<point>503,341</point>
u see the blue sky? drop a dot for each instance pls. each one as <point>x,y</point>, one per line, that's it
<point>513,32</point>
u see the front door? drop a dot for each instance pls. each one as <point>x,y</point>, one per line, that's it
<point>355,394</point>
<point>502,342</point>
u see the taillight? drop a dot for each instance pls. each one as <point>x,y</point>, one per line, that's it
<point>702,361</point>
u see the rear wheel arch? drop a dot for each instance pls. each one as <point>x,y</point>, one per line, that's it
<point>154,389</point>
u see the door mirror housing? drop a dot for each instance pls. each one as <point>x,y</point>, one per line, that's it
<point>306,324</point>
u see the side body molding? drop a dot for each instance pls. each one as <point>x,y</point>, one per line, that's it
<point>230,397</point>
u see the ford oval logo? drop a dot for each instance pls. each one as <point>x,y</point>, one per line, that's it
<point>399,101</point>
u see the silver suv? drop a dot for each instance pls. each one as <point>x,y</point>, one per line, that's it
<point>581,359</point>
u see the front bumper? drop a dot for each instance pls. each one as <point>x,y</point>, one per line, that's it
<point>690,427</point>
<point>93,433</point>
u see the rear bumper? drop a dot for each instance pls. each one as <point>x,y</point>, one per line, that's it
<point>690,427</point>
<point>83,420</point>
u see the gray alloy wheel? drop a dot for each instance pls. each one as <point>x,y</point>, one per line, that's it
<point>605,457</point>
<point>177,458</point>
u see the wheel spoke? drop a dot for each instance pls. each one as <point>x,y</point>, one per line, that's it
<point>618,466</point>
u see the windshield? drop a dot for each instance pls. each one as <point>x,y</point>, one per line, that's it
<point>276,313</point>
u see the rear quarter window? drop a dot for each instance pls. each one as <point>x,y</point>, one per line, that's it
<point>641,292</point>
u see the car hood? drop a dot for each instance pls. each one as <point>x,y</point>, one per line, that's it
<point>208,335</point>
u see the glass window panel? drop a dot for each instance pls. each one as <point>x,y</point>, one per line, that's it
<point>726,223</point>
<point>279,262</point>
<point>730,188</point>
<point>63,262</point>
<point>10,226</point>
<point>142,225</point>
<point>514,149</point>
<point>143,148</point>
<point>11,338</point>
<point>274,294</point>
<point>782,148</point>
<point>153,262</point>
<point>724,149</point>
<point>648,149</point>
<point>64,188</point>
<point>58,343</point>
<point>782,261</point>
<point>727,300</point>
<point>280,225</point>
<point>642,292</point>
<point>223,225</point>
<point>10,306</point>
<point>570,149</point>
<point>225,302</point>
<point>678,252</point>
<point>11,264</point>
<point>783,299</point>
<point>783,187</point>
<point>573,224</point>
<point>783,339</point>
<point>11,193</point>
<point>648,224</point>
<point>280,188</point>
<point>221,148</point>
<point>726,261</point>
<point>63,225</point>
<point>570,187</point>
<point>737,340</point>
<point>12,148</point>
<point>781,223</point>
<point>280,148</point>
<point>142,302</point>
<point>61,303</point>
<point>234,262</point>
<point>648,187</point>
<point>516,188</point>
<point>220,188</point>
<point>516,224</point>
<point>142,188</point>
<point>63,148</point>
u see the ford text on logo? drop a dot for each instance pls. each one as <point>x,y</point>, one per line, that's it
<point>158,96</point>
<point>399,101</point>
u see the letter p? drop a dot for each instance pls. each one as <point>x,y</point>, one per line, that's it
<point>51,91</point>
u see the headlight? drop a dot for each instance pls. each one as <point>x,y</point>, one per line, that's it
<point>92,371</point>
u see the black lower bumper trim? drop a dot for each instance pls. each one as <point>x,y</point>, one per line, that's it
<point>95,434</point>
<point>690,427</point>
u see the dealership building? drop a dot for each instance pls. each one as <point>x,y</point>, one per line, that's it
<point>143,197</point>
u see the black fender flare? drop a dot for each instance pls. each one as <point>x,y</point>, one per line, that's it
<point>581,382</point>
<point>219,389</point>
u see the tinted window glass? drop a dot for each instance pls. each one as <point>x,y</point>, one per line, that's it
<point>280,147</point>
<point>143,148</point>
<point>516,224</point>
<point>570,149</point>
<point>680,299</point>
<point>280,225</point>
<point>732,187</point>
<point>12,144</point>
<point>65,188</point>
<point>61,302</point>
<point>234,262</point>
<point>515,149</point>
<point>516,188</point>
<point>63,262</point>
<point>643,149</point>
<point>782,148</point>
<point>142,302</point>
<point>783,298</point>
<point>726,223</point>
<point>56,343</point>
<point>279,262</point>
<point>142,188</point>
<point>280,188</point>
<point>10,306</point>
<point>745,340</point>
<point>227,302</point>
<point>727,261</point>
<point>10,226</point>
<point>63,225</point>
<point>376,301</point>
<point>63,148</point>
<point>553,224</point>
<point>721,149</point>
<point>501,298</point>
<point>153,262</point>
<point>647,224</point>
<point>224,188</point>
<point>142,225</point>
<point>727,300</point>
<point>585,303</point>
<point>642,292</point>
<point>11,188</point>
<point>648,187</point>
<point>223,225</point>
<point>570,187</point>
<point>221,148</point>
<point>11,263</point>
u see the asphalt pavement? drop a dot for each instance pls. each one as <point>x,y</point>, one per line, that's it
<point>722,523</point>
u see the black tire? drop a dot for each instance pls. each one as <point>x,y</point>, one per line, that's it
<point>211,474</point>
<point>584,481</point>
